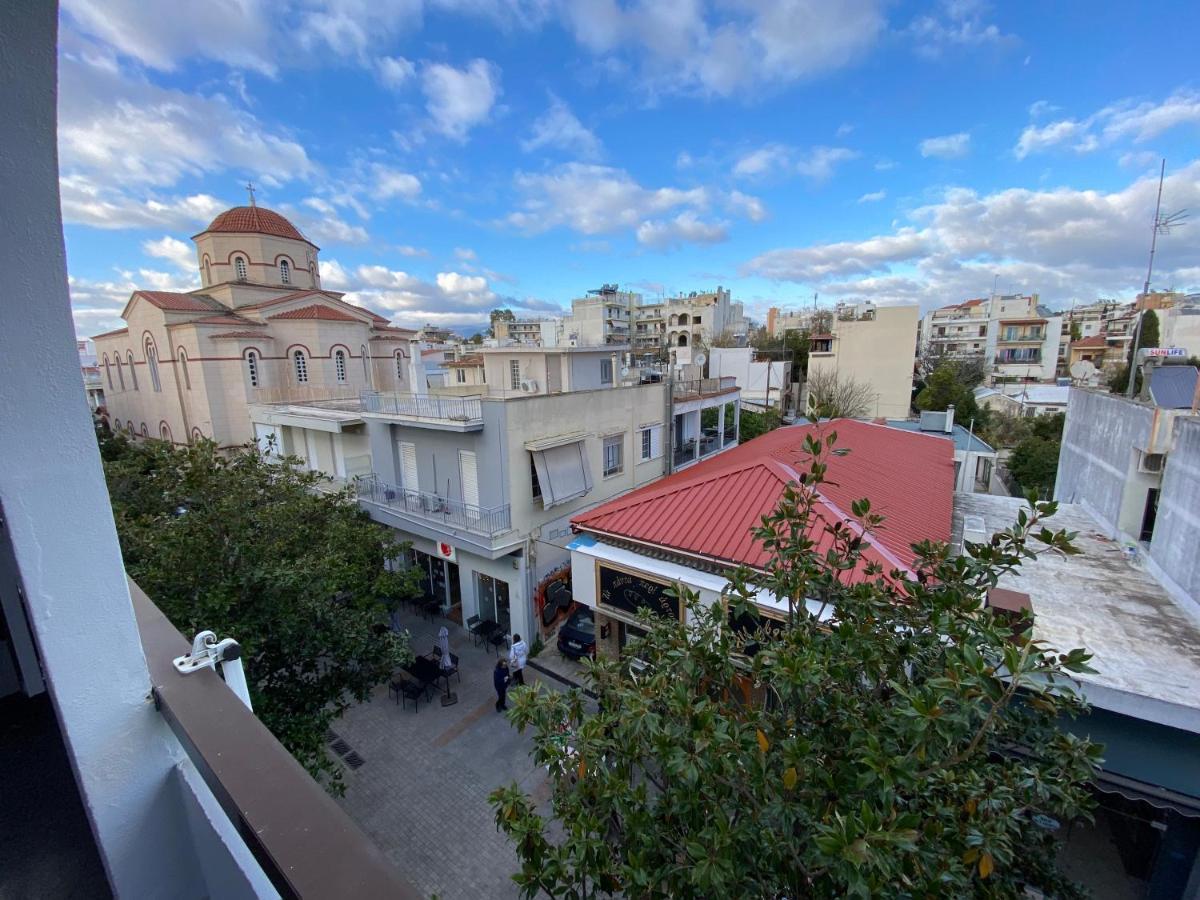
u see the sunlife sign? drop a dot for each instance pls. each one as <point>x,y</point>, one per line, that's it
<point>1163,351</point>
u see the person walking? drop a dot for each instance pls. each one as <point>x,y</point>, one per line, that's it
<point>517,657</point>
<point>500,681</point>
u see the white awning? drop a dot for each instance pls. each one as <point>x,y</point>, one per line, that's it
<point>556,441</point>
<point>562,472</point>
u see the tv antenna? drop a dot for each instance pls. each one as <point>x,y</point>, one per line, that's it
<point>1163,223</point>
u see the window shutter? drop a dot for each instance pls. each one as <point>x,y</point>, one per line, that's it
<point>470,477</point>
<point>656,442</point>
<point>408,465</point>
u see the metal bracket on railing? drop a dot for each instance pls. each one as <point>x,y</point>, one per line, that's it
<point>207,652</point>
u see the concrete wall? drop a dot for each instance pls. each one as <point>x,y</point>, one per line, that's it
<point>56,512</point>
<point>1177,527</point>
<point>754,378</point>
<point>1098,462</point>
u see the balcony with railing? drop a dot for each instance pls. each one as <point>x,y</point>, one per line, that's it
<point>703,387</point>
<point>460,413</point>
<point>435,510</point>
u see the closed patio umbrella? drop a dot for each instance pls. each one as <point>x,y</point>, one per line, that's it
<point>447,664</point>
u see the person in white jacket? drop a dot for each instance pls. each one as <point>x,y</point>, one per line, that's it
<point>517,657</point>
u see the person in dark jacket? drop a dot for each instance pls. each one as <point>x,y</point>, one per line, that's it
<point>500,681</point>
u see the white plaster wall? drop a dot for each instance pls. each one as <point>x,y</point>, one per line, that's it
<point>1177,526</point>
<point>56,508</point>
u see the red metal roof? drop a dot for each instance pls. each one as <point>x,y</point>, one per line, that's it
<point>255,220</point>
<point>316,311</point>
<point>177,302</point>
<point>710,508</point>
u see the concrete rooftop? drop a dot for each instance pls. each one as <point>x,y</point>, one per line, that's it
<point>1145,646</point>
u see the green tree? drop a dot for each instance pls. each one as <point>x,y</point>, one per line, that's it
<point>499,315</point>
<point>752,424</point>
<point>907,746</point>
<point>1034,464</point>
<point>952,383</point>
<point>1005,429</point>
<point>245,546</point>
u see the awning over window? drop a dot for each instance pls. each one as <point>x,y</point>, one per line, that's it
<point>562,472</point>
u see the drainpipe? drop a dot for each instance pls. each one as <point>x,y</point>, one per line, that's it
<point>669,426</point>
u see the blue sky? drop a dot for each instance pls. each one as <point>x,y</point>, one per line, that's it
<point>450,156</point>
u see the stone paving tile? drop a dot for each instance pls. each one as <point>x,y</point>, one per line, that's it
<point>422,793</point>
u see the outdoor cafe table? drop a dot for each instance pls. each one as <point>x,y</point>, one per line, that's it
<point>425,670</point>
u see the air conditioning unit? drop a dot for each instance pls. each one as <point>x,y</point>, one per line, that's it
<point>1152,463</point>
<point>529,386</point>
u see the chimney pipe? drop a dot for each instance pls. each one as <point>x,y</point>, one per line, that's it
<point>950,419</point>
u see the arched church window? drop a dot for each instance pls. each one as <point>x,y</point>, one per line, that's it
<point>252,367</point>
<point>300,362</point>
<point>285,272</point>
<point>239,266</point>
<point>339,365</point>
<point>132,371</point>
<point>152,365</point>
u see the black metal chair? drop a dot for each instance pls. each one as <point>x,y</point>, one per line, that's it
<point>410,690</point>
<point>474,623</point>
<point>498,639</point>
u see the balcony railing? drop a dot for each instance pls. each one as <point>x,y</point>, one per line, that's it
<point>435,509</point>
<point>420,406</point>
<point>701,387</point>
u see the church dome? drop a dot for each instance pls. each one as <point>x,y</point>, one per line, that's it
<point>255,220</point>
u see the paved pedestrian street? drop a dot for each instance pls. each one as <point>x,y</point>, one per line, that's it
<point>421,792</point>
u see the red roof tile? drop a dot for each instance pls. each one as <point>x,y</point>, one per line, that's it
<point>255,220</point>
<point>908,477</point>
<point>316,311</point>
<point>256,335</point>
<point>96,337</point>
<point>177,302</point>
<point>1096,340</point>
<point>223,320</point>
<point>328,295</point>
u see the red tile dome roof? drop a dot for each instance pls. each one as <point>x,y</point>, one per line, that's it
<point>255,220</point>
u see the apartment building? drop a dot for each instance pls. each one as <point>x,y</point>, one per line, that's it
<point>259,328</point>
<point>1018,339</point>
<point>698,317</point>
<point>603,316</point>
<point>482,485</point>
<point>781,321</point>
<point>876,349</point>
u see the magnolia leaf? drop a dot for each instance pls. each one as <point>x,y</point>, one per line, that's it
<point>789,778</point>
<point>763,743</point>
<point>986,864</point>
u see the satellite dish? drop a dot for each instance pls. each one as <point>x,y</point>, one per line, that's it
<point>1083,370</point>
<point>624,371</point>
<point>699,359</point>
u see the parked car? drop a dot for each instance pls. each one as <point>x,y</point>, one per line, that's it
<point>577,636</point>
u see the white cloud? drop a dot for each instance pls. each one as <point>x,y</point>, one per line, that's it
<point>1063,243</point>
<point>466,254</point>
<point>175,251</point>
<point>1125,120</point>
<point>948,146</point>
<point>959,25</point>
<point>746,205</point>
<point>683,228</point>
<point>451,298</point>
<point>684,160</point>
<point>460,99</point>
<point>844,129</point>
<point>85,202</point>
<point>873,197</point>
<point>389,183</point>
<point>884,165</point>
<point>96,304</point>
<point>560,129</point>
<point>674,47</point>
<point>409,250</point>
<point>820,162</point>
<point>769,159</point>
<point>817,163</point>
<point>394,71</point>
<point>1039,108</point>
<point>1034,139</point>
<point>593,199</point>
<point>323,225</point>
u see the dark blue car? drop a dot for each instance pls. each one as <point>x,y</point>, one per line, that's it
<point>577,636</point>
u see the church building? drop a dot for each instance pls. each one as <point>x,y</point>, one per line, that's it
<point>259,329</point>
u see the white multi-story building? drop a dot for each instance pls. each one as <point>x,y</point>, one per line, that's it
<point>482,476</point>
<point>1016,339</point>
